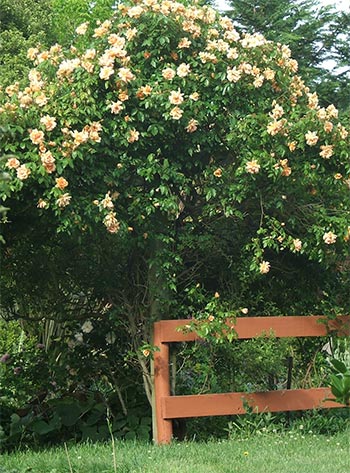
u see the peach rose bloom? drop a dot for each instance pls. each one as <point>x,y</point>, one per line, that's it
<point>176,97</point>
<point>297,244</point>
<point>81,29</point>
<point>48,122</point>
<point>61,183</point>
<point>184,43</point>
<point>116,40</point>
<point>192,126</point>
<point>326,151</point>
<point>36,136</point>
<point>13,163</point>
<point>194,96</point>
<point>183,70</point>
<point>111,222</point>
<point>275,127</point>
<point>63,200</point>
<point>80,137</point>
<point>253,167</point>
<point>42,204</point>
<point>106,72</point>
<point>116,107</point>
<point>264,267</point>
<point>311,138</point>
<point>168,73</point>
<point>123,95</point>
<point>233,74</point>
<point>329,238</point>
<point>176,113</point>
<point>23,172</point>
<point>125,74</point>
<point>133,136</point>
<point>328,127</point>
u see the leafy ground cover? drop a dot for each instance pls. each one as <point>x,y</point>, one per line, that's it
<point>290,452</point>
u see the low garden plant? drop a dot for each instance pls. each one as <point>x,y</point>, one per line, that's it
<point>340,363</point>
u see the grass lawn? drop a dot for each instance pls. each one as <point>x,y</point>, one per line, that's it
<point>292,452</point>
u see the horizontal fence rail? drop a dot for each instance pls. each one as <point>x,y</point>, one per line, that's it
<point>202,405</point>
<point>175,407</point>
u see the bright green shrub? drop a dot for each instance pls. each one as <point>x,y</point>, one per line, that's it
<point>23,366</point>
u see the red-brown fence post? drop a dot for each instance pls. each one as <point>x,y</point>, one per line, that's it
<point>164,431</point>
<point>167,407</point>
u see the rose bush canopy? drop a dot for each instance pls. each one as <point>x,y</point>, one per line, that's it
<point>165,116</point>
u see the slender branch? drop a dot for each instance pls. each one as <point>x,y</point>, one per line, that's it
<point>119,394</point>
<point>262,211</point>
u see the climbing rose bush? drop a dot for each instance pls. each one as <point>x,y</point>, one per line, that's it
<point>166,112</point>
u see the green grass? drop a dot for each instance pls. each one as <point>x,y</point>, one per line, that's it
<point>293,452</point>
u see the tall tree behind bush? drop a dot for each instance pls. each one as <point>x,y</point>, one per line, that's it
<point>315,33</point>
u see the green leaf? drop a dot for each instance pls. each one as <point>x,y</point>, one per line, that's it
<point>336,386</point>
<point>338,365</point>
<point>346,382</point>
<point>94,417</point>
<point>41,427</point>
<point>89,432</point>
<point>69,412</point>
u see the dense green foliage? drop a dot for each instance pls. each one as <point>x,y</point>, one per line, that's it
<point>21,26</point>
<point>26,23</point>
<point>163,175</point>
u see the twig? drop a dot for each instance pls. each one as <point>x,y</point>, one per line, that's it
<point>110,428</point>
<point>67,455</point>
<point>119,394</point>
<point>262,211</point>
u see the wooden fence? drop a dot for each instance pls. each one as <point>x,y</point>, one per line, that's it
<point>169,407</point>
